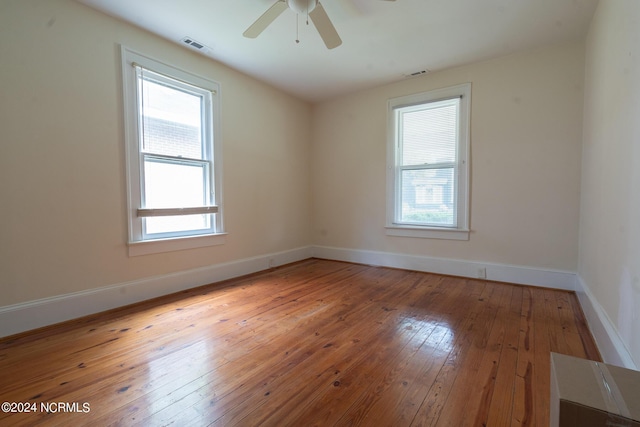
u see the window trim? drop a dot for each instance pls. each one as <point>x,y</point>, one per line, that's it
<point>137,243</point>
<point>461,231</point>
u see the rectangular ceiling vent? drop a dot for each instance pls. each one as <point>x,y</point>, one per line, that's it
<point>189,41</point>
<point>416,73</point>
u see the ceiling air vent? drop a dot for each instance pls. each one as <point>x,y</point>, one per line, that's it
<point>416,73</point>
<point>194,44</point>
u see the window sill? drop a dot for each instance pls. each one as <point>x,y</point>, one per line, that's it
<point>148,247</point>
<point>428,232</point>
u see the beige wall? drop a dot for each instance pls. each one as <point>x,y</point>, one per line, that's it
<point>62,179</point>
<point>609,262</point>
<point>526,122</point>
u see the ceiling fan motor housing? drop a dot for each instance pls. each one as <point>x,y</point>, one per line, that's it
<point>302,6</point>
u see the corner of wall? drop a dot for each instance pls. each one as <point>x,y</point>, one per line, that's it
<point>611,346</point>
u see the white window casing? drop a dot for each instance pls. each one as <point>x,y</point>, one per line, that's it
<point>428,164</point>
<point>174,188</point>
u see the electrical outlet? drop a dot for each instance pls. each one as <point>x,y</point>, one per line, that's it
<point>482,273</point>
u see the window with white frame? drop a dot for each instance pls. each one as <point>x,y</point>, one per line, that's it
<point>173,156</point>
<point>428,166</point>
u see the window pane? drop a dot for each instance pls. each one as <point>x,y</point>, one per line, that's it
<point>175,185</point>
<point>171,121</point>
<point>170,224</point>
<point>430,135</point>
<point>427,197</point>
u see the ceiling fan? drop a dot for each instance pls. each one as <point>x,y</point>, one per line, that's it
<point>312,8</point>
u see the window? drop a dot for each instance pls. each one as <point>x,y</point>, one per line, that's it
<point>173,157</point>
<point>427,179</point>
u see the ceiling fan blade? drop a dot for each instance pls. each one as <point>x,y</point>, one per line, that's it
<point>324,26</point>
<point>267,18</point>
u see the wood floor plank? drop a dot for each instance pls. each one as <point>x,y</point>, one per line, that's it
<point>557,337</point>
<point>483,384</point>
<point>588,343</point>
<point>258,352</point>
<point>400,379</point>
<point>293,344</point>
<point>542,360</point>
<point>312,343</point>
<point>416,373</point>
<point>376,313</point>
<point>523,403</point>
<point>327,404</point>
<point>500,410</point>
<point>377,383</point>
<point>570,328</point>
<point>462,368</point>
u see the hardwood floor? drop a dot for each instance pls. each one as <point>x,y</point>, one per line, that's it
<point>313,343</point>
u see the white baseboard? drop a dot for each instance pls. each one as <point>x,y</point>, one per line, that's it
<point>611,346</point>
<point>48,311</point>
<point>556,279</point>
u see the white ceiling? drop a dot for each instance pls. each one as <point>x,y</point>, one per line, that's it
<point>382,41</point>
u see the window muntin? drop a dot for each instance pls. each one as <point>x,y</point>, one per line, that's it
<point>173,154</point>
<point>428,172</point>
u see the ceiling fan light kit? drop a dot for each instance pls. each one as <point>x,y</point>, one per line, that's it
<point>312,8</point>
<point>302,6</point>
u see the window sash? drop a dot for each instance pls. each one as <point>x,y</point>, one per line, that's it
<point>432,212</point>
<point>206,108</point>
<point>152,81</point>
<point>207,194</point>
<point>442,140</point>
<point>192,207</point>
